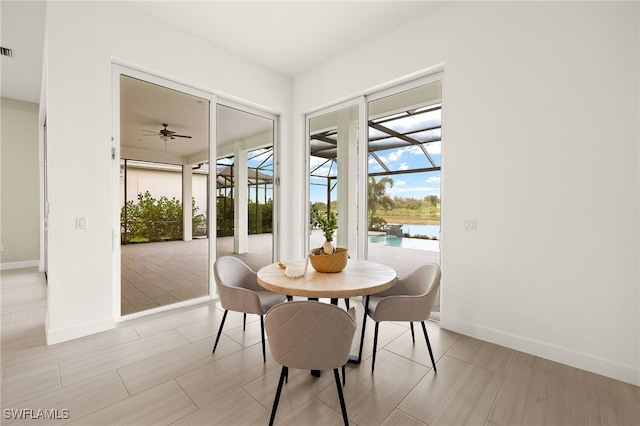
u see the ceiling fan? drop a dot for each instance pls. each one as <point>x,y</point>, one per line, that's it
<point>165,134</point>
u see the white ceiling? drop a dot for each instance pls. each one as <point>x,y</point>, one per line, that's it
<point>289,37</point>
<point>22,30</point>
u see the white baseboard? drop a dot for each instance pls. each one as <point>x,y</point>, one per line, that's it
<point>19,265</point>
<point>563,355</point>
<point>82,330</point>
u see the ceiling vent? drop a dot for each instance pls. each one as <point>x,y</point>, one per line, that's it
<point>5,51</point>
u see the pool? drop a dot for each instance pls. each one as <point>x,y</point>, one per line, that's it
<point>411,243</point>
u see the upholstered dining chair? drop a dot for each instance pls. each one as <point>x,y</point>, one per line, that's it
<point>239,291</point>
<point>410,299</point>
<point>310,335</point>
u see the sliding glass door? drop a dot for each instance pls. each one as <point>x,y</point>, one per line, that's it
<point>382,178</point>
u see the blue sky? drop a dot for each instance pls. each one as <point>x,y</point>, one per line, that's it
<point>410,185</point>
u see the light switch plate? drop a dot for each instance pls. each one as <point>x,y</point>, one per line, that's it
<point>81,222</point>
<point>470,224</point>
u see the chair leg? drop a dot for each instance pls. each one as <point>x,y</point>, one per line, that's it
<point>375,345</point>
<point>346,302</point>
<point>283,373</point>
<point>364,323</point>
<point>344,376</point>
<point>413,336</point>
<point>426,337</point>
<point>264,352</point>
<point>244,322</point>
<point>341,396</point>
<point>224,317</point>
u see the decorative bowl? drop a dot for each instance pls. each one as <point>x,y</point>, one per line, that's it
<point>335,262</point>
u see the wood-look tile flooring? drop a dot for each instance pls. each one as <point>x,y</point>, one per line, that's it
<point>159,370</point>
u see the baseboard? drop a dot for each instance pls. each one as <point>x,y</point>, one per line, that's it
<point>563,355</point>
<point>19,265</point>
<point>82,330</point>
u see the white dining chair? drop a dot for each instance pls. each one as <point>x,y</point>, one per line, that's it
<point>410,299</point>
<point>239,291</point>
<point>310,335</point>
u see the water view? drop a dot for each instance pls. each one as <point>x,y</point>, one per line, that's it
<point>412,243</point>
<point>432,231</point>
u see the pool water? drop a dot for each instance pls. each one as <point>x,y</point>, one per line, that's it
<point>412,243</point>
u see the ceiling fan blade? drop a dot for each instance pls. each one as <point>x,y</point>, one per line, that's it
<point>180,136</point>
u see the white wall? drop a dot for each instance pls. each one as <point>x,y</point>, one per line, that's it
<point>540,145</point>
<point>159,183</point>
<point>82,38</point>
<point>20,192</point>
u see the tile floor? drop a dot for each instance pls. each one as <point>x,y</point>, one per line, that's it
<point>159,370</point>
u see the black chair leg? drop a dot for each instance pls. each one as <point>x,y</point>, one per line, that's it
<point>224,317</point>
<point>413,336</point>
<point>341,396</point>
<point>364,323</point>
<point>244,322</point>
<point>426,337</point>
<point>275,402</point>
<point>375,345</point>
<point>264,352</point>
<point>344,376</point>
<point>346,302</point>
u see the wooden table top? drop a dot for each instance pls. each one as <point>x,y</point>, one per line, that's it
<point>359,278</point>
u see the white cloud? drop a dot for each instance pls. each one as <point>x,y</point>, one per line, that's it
<point>415,191</point>
<point>434,148</point>
<point>403,166</point>
<point>431,179</point>
<point>394,156</point>
<point>315,161</point>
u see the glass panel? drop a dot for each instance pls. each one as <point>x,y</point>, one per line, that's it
<point>164,148</point>
<point>404,178</point>
<point>244,186</point>
<point>333,143</point>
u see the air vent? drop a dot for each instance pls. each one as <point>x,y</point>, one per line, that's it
<point>5,51</point>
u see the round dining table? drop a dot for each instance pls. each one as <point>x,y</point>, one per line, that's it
<point>358,278</point>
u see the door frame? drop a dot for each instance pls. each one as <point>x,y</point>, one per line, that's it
<point>425,77</point>
<point>118,69</point>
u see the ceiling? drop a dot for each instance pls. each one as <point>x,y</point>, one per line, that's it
<point>290,37</point>
<point>146,107</point>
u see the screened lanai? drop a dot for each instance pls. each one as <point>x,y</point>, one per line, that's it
<point>416,131</point>
<point>259,181</point>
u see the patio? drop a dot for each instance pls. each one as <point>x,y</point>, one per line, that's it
<point>159,274</point>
